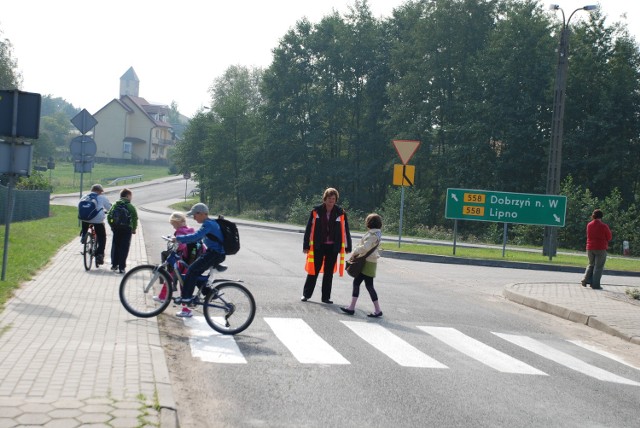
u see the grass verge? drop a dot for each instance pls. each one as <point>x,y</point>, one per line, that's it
<point>511,255</point>
<point>32,244</point>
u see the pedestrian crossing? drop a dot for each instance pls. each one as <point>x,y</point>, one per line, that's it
<point>308,347</point>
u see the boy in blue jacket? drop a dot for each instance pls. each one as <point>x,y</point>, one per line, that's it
<point>212,257</point>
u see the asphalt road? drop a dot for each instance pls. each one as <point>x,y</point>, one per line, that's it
<point>449,351</point>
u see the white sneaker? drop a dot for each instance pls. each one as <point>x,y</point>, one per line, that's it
<point>157,299</point>
<point>184,313</point>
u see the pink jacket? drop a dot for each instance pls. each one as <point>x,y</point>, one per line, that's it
<point>182,248</point>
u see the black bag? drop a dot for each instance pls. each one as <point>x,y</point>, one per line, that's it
<point>119,216</point>
<point>355,265</point>
<point>231,241</point>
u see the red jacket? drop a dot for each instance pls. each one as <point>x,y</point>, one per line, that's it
<point>598,235</point>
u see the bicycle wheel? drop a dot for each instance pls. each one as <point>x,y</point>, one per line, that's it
<point>229,308</point>
<point>88,252</point>
<point>140,285</point>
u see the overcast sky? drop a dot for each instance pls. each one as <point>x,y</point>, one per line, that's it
<point>78,49</point>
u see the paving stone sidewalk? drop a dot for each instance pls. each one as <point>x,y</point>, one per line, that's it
<point>608,310</point>
<point>71,356</point>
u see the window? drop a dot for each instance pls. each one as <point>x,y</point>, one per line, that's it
<point>126,147</point>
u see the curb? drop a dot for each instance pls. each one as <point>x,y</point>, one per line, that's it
<point>568,314</point>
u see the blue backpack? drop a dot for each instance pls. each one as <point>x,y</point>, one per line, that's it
<point>88,207</point>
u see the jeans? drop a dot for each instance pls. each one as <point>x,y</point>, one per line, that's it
<point>593,273</point>
<point>201,264</point>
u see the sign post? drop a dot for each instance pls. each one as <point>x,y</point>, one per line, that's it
<point>83,148</point>
<point>19,117</point>
<point>403,175</point>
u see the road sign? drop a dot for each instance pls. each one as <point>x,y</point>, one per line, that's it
<point>403,175</point>
<point>84,121</point>
<point>504,207</point>
<point>83,145</point>
<point>19,114</point>
<point>406,149</point>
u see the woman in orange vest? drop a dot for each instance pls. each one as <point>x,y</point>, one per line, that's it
<point>326,236</point>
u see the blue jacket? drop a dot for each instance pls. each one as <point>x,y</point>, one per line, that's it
<point>209,226</point>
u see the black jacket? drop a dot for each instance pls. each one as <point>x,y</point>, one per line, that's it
<point>336,230</point>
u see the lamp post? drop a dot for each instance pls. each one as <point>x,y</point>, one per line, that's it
<point>555,149</point>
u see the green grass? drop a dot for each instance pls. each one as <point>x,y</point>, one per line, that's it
<point>32,244</point>
<point>579,260</point>
<point>64,180</point>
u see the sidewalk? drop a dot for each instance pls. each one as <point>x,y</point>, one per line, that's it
<point>71,356</point>
<point>609,310</point>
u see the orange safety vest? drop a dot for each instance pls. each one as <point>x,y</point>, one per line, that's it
<point>310,265</point>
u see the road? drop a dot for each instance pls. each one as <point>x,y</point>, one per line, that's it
<point>449,351</point>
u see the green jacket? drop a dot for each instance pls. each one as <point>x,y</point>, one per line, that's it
<point>132,211</point>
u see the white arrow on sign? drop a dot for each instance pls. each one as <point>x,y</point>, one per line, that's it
<point>557,219</point>
<point>454,197</point>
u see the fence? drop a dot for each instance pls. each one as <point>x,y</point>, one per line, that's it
<point>27,204</point>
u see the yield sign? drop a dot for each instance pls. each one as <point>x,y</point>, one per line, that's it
<point>406,149</point>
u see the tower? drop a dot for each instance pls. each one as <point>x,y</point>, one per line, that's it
<point>129,83</point>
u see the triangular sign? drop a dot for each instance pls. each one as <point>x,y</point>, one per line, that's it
<point>406,149</point>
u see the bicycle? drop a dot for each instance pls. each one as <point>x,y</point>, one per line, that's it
<point>228,306</point>
<point>90,247</point>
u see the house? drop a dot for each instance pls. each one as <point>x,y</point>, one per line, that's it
<point>132,129</point>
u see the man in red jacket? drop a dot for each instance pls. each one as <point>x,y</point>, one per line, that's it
<point>598,237</point>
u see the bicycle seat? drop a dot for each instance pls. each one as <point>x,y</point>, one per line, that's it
<point>221,267</point>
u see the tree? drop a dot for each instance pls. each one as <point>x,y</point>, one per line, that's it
<point>10,77</point>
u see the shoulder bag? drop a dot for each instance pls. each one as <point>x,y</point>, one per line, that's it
<point>355,264</point>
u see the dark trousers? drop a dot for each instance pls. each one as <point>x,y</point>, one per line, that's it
<point>368,282</point>
<point>120,243</point>
<point>197,268</point>
<point>101,233</point>
<point>324,253</point>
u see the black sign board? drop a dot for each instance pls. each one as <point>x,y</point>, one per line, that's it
<point>21,109</point>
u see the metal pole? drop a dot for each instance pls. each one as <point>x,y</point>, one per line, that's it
<point>401,212</point>
<point>550,242</point>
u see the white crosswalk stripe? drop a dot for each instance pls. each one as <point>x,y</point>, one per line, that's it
<point>305,345</point>
<point>211,346</point>
<point>565,359</point>
<point>309,348</point>
<point>391,345</point>
<point>602,352</point>
<point>480,352</point>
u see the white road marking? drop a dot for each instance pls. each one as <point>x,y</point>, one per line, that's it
<point>480,352</point>
<point>392,346</point>
<point>603,353</point>
<point>565,359</point>
<point>305,345</point>
<point>211,346</point>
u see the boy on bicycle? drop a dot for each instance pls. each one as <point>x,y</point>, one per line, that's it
<point>211,235</point>
<point>98,223</point>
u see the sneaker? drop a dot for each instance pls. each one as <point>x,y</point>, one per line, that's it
<point>157,299</point>
<point>121,271</point>
<point>114,268</point>
<point>184,313</point>
<point>83,238</point>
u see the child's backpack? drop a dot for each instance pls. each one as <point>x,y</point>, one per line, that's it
<point>88,207</point>
<point>119,216</point>
<point>231,242</point>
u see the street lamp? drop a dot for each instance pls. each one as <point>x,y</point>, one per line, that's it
<point>555,150</point>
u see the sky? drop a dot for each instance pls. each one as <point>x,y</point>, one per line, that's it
<point>78,49</point>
